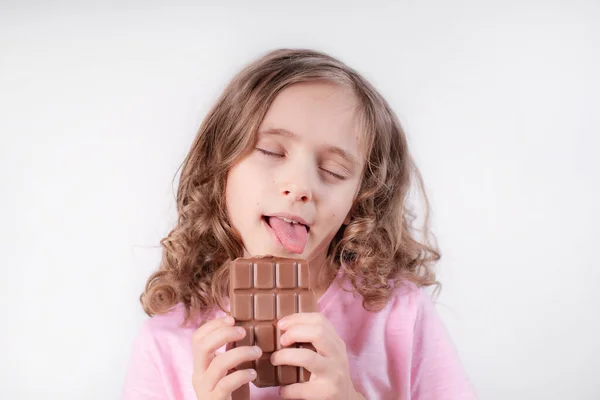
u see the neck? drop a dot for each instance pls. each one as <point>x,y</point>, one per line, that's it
<point>320,278</point>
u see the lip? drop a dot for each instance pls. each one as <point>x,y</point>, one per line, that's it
<point>290,216</point>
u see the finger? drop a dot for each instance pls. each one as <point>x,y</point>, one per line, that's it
<point>306,390</point>
<point>208,326</point>
<point>318,335</point>
<point>303,318</point>
<point>305,358</point>
<point>204,347</point>
<point>233,382</point>
<point>220,366</point>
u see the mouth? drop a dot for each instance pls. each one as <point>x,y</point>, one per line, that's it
<point>291,232</point>
<point>290,220</point>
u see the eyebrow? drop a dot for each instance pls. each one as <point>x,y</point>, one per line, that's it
<point>330,149</point>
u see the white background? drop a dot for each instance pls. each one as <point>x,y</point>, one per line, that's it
<point>500,99</point>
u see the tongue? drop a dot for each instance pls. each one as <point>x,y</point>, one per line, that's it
<point>291,236</point>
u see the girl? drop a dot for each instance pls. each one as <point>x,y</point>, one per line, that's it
<point>300,157</point>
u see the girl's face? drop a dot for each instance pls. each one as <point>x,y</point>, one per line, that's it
<point>292,193</point>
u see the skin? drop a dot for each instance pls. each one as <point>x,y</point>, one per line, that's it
<point>299,173</point>
<point>307,162</point>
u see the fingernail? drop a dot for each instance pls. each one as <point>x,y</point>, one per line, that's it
<point>256,350</point>
<point>282,323</point>
<point>240,330</point>
<point>282,340</point>
<point>229,319</point>
<point>252,373</point>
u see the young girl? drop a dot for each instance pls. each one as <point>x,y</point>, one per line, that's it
<point>300,157</point>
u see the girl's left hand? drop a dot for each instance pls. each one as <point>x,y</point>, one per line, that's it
<point>330,373</point>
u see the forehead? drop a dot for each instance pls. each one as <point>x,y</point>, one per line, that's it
<point>321,113</point>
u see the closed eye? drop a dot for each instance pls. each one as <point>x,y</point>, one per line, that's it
<point>337,176</point>
<point>277,155</point>
<point>270,153</point>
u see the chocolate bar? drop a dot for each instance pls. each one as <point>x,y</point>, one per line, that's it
<point>262,291</point>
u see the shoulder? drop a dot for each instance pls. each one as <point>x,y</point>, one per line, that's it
<point>408,296</point>
<point>405,298</point>
<point>164,330</point>
<point>161,351</point>
<point>167,323</point>
<point>411,304</point>
<point>168,328</point>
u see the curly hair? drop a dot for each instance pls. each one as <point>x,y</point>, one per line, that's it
<point>378,250</point>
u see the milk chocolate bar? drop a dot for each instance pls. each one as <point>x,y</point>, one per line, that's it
<point>262,291</point>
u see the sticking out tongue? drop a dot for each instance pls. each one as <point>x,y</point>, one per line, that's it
<point>292,236</point>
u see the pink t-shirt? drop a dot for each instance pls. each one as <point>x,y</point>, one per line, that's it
<point>400,352</point>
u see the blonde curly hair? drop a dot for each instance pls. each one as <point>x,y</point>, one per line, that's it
<point>380,244</point>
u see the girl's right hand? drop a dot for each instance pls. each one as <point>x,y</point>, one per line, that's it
<point>210,377</point>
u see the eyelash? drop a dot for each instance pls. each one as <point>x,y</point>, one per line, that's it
<point>269,153</point>
<point>277,155</point>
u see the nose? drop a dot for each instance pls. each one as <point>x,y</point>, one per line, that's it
<point>295,192</point>
<point>296,185</point>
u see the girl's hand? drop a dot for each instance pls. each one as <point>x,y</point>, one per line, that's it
<point>209,378</point>
<point>330,373</point>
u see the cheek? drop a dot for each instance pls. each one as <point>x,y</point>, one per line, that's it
<point>234,192</point>
<point>340,205</point>
<point>239,179</point>
<point>242,192</point>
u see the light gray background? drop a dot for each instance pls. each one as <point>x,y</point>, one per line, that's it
<point>500,99</point>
